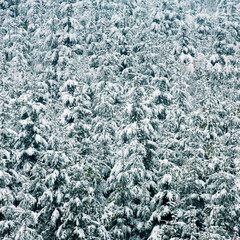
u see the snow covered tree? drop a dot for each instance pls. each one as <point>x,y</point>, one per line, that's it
<point>119,119</point>
<point>130,180</point>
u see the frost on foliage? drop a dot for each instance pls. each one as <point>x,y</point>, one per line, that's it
<point>121,120</point>
<point>6,196</point>
<point>51,178</point>
<point>167,179</point>
<point>41,140</point>
<point>80,233</point>
<point>67,99</point>
<point>66,116</point>
<point>5,178</point>
<point>27,233</point>
<point>30,151</point>
<point>55,216</point>
<point>46,197</point>
<point>27,201</point>
<point>155,234</point>
<point>116,169</point>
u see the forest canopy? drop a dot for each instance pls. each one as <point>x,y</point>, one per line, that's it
<point>119,119</point>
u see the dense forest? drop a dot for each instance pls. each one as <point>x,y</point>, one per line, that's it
<point>119,119</point>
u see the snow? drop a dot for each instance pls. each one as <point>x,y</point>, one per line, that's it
<point>128,211</point>
<point>155,234</point>
<point>129,109</point>
<point>26,122</point>
<point>167,178</point>
<point>170,195</point>
<point>152,89</point>
<point>80,233</point>
<point>38,107</point>
<point>41,140</point>
<point>55,216</point>
<point>1,174</point>
<point>27,167</point>
<point>24,110</point>
<point>190,68</point>
<point>11,131</point>
<point>53,177</point>
<point>6,154</point>
<point>131,130</point>
<point>70,83</point>
<point>30,151</point>
<point>65,115</point>
<point>67,98</point>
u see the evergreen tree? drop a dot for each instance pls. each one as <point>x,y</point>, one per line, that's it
<point>119,119</point>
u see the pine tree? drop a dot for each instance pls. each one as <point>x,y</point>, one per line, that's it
<point>119,120</point>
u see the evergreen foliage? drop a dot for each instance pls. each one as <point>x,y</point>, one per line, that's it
<point>119,119</point>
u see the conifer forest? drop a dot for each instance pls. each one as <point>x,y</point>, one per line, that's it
<point>119,119</point>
